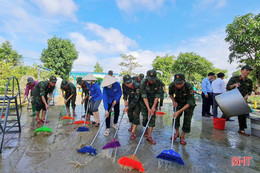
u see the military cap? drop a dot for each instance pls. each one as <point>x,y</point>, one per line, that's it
<point>246,67</point>
<point>151,74</point>
<point>79,80</point>
<point>127,79</point>
<point>53,79</point>
<point>141,76</point>
<point>64,83</point>
<point>179,78</point>
<point>30,80</point>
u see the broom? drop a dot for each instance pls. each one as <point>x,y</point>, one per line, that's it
<point>66,117</point>
<point>89,149</point>
<point>132,162</point>
<point>82,121</point>
<point>114,143</point>
<point>171,155</point>
<point>84,128</point>
<point>44,128</point>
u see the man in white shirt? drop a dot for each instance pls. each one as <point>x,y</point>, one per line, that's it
<point>218,86</point>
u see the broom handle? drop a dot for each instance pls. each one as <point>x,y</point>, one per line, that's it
<point>46,114</point>
<point>173,128</point>
<point>119,124</point>
<point>86,114</point>
<point>142,135</point>
<point>100,128</point>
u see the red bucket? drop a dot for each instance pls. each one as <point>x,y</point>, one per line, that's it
<point>219,123</point>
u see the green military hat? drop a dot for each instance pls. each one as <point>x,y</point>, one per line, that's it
<point>53,79</point>
<point>141,76</point>
<point>127,79</point>
<point>179,78</point>
<point>79,80</point>
<point>64,83</point>
<point>151,74</point>
<point>30,80</point>
<point>246,67</point>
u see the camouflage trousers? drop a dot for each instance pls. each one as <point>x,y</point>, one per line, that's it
<point>188,113</point>
<point>134,114</point>
<point>71,101</point>
<point>145,115</point>
<point>38,103</point>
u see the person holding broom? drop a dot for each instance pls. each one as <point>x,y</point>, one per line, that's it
<point>111,98</point>
<point>182,95</point>
<point>30,86</point>
<point>40,97</point>
<point>95,97</point>
<point>85,99</point>
<point>69,96</point>
<point>150,92</point>
<point>132,98</point>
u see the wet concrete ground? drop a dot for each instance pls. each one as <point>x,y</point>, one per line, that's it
<point>207,149</point>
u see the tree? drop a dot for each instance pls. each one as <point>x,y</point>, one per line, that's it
<point>9,55</point>
<point>243,37</point>
<point>165,64</point>
<point>59,56</point>
<point>193,66</point>
<point>130,63</point>
<point>98,68</point>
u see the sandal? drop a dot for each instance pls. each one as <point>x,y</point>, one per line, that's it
<point>115,126</point>
<point>182,141</point>
<point>243,133</point>
<point>97,124</point>
<point>132,137</point>
<point>107,132</point>
<point>175,136</point>
<point>38,120</point>
<point>150,139</point>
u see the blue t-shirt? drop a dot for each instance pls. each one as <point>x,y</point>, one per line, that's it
<point>95,91</point>
<point>111,94</point>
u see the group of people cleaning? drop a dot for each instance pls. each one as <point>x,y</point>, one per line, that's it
<point>141,95</point>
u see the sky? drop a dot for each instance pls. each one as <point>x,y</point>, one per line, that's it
<point>103,29</point>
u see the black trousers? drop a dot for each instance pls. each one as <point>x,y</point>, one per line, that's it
<point>116,114</point>
<point>242,122</point>
<point>206,103</point>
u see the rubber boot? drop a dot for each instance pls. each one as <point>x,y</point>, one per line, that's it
<point>34,110</point>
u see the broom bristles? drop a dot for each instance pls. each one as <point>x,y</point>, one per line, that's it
<point>89,149</point>
<point>80,122</point>
<point>83,129</point>
<point>113,144</point>
<point>131,162</point>
<point>68,118</point>
<point>170,155</point>
<point>43,129</point>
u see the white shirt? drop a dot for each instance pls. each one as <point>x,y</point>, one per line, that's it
<point>218,86</point>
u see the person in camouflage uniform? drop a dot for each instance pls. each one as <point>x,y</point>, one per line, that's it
<point>85,90</point>
<point>182,95</point>
<point>150,92</point>
<point>162,96</point>
<point>69,96</point>
<point>245,86</point>
<point>132,98</point>
<point>40,99</point>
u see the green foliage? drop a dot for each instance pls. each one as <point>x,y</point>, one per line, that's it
<point>236,73</point>
<point>59,56</point>
<point>98,68</point>
<point>217,70</point>
<point>99,80</point>
<point>194,67</point>
<point>130,63</point>
<point>164,64</point>
<point>9,55</point>
<point>244,38</point>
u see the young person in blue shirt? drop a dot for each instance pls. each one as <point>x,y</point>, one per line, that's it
<point>95,97</point>
<point>111,98</point>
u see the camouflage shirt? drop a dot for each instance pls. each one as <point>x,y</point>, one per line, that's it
<point>133,94</point>
<point>151,91</point>
<point>43,88</point>
<point>246,85</point>
<point>184,95</point>
<point>70,89</point>
<point>85,89</point>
